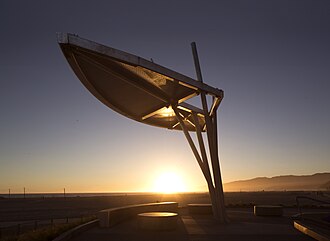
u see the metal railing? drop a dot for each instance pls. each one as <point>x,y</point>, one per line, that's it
<point>26,226</point>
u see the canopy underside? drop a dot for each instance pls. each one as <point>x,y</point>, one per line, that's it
<point>132,90</point>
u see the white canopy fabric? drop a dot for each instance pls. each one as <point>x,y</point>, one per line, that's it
<point>132,86</point>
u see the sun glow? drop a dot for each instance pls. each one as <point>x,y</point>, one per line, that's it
<point>169,182</point>
<point>166,112</point>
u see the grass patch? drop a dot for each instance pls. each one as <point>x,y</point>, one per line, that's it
<point>47,233</point>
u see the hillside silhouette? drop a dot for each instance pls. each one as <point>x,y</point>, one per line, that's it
<point>318,181</point>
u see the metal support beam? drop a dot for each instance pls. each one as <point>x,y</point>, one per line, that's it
<point>190,108</point>
<point>215,105</point>
<point>211,130</point>
<point>218,185</point>
<point>206,173</point>
<point>201,143</point>
<point>205,162</point>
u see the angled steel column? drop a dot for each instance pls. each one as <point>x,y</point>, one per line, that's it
<point>205,170</point>
<point>202,161</point>
<point>211,131</point>
<point>206,164</point>
<point>216,166</point>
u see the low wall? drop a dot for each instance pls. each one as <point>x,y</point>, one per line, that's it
<point>204,209</point>
<point>113,216</point>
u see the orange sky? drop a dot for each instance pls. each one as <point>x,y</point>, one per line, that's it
<point>271,58</point>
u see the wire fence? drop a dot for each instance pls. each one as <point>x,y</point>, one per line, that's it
<point>26,226</point>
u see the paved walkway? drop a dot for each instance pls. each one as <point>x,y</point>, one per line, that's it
<point>243,226</point>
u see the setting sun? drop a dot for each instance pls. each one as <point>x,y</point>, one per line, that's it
<point>169,182</point>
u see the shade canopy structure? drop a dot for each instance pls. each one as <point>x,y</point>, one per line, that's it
<point>132,86</point>
<point>152,94</point>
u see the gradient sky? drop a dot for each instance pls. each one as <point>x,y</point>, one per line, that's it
<point>271,58</point>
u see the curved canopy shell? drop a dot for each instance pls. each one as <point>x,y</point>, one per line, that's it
<point>132,86</point>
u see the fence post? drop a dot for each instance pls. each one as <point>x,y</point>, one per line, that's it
<point>67,219</point>
<point>35,225</point>
<point>52,222</point>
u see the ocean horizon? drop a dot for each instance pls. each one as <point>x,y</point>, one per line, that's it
<point>92,194</point>
<point>49,195</point>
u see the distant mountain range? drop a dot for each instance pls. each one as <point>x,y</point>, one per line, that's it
<point>318,181</point>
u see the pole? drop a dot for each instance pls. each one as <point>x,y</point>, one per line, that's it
<point>24,192</point>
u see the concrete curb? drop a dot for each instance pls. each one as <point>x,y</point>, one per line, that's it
<point>75,231</point>
<point>310,232</point>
